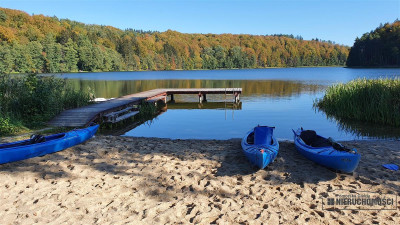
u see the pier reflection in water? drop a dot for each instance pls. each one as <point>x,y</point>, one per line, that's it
<point>274,88</point>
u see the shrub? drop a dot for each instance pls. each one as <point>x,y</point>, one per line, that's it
<point>7,126</point>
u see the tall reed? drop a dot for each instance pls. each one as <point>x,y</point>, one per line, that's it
<point>376,101</point>
<point>32,100</point>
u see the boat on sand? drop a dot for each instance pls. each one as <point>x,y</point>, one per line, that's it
<point>41,145</point>
<point>326,151</point>
<point>260,146</point>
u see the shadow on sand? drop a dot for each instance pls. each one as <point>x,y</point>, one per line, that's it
<point>202,167</point>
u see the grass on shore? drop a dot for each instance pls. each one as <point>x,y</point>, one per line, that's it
<point>28,102</point>
<point>376,101</point>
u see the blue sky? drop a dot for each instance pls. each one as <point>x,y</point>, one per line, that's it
<point>337,20</point>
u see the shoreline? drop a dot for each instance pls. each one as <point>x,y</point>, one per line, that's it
<point>50,130</point>
<point>111,179</point>
<point>260,68</point>
<point>60,73</point>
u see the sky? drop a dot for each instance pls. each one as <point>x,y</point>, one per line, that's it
<point>340,21</point>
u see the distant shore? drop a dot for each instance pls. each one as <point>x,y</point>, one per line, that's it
<point>159,181</point>
<point>258,68</point>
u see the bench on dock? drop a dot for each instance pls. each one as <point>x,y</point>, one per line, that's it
<point>125,116</point>
<point>120,115</point>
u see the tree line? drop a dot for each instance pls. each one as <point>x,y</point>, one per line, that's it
<point>45,44</point>
<point>380,47</point>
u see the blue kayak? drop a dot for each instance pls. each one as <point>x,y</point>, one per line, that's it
<point>260,146</point>
<point>326,151</point>
<point>42,145</point>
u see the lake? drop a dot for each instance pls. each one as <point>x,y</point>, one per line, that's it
<point>281,97</point>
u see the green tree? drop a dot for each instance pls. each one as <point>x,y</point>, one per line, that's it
<point>209,61</point>
<point>3,16</point>
<point>237,58</point>
<point>35,50</point>
<point>114,60</point>
<point>6,59</point>
<point>97,59</point>
<point>53,56</point>
<point>85,52</point>
<point>70,56</point>
<point>376,48</point>
<point>220,56</point>
<point>22,59</point>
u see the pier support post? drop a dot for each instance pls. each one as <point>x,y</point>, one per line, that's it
<point>202,97</point>
<point>237,97</point>
<point>172,98</point>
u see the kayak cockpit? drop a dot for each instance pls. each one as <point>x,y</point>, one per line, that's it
<point>260,135</point>
<point>32,141</point>
<point>311,138</point>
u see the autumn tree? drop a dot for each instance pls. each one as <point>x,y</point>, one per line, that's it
<point>48,44</point>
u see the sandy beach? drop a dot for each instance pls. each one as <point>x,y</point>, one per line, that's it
<point>119,180</point>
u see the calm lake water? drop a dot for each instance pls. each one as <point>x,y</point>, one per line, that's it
<point>276,97</point>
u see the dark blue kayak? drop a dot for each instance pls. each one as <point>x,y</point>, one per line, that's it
<point>34,147</point>
<point>325,151</point>
<point>260,146</point>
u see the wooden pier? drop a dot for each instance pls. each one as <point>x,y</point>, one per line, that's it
<point>83,116</point>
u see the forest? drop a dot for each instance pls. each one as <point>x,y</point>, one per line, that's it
<point>377,48</point>
<point>42,44</point>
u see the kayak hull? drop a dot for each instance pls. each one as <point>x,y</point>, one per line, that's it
<point>327,156</point>
<point>260,155</point>
<point>21,150</point>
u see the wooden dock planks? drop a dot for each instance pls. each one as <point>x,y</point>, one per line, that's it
<point>85,115</point>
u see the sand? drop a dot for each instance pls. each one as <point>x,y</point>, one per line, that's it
<point>118,180</point>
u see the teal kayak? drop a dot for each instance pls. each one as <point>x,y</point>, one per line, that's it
<point>42,145</point>
<point>260,146</point>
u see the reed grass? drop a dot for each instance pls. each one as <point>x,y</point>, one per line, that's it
<point>31,100</point>
<point>147,111</point>
<point>376,101</point>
